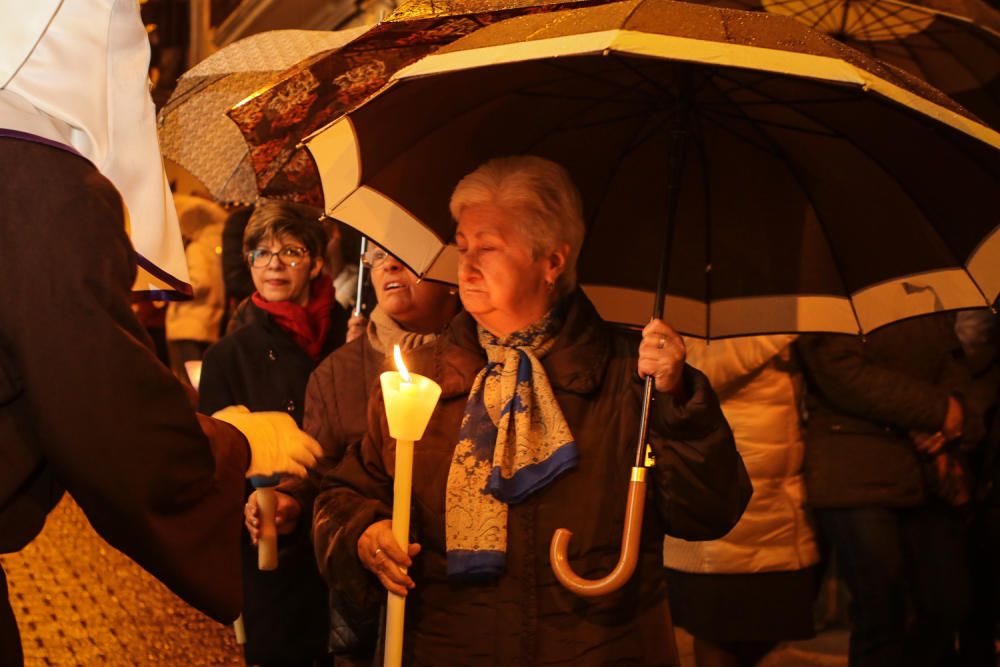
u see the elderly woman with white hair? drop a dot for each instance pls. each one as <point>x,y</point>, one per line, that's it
<point>536,430</point>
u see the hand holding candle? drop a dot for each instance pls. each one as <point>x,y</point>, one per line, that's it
<point>409,402</point>
<point>267,506</point>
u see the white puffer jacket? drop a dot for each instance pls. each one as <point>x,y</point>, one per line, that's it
<point>759,385</point>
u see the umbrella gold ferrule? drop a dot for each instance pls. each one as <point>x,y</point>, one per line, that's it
<point>639,474</point>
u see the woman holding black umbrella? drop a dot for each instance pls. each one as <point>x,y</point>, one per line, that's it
<point>535,431</point>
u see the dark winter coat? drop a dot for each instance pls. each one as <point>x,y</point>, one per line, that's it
<point>336,415</point>
<point>262,367</point>
<point>337,404</point>
<point>259,364</point>
<point>864,397</point>
<point>336,411</point>
<point>84,404</point>
<point>698,489</point>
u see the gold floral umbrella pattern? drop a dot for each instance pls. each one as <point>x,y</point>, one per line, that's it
<point>321,89</point>
<point>193,127</point>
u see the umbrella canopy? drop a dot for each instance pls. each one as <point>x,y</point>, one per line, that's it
<point>193,127</point>
<point>818,190</point>
<point>318,92</point>
<point>952,44</point>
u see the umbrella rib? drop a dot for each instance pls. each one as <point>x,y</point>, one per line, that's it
<point>607,187</point>
<point>802,16</point>
<point>232,174</point>
<point>913,52</point>
<point>577,98</point>
<point>564,68</point>
<point>736,133</point>
<point>656,85</point>
<point>899,16</point>
<point>792,169</point>
<point>782,126</point>
<point>910,195</point>
<point>442,120</point>
<point>700,147</point>
<point>935,126</point>
<point>193,90</point>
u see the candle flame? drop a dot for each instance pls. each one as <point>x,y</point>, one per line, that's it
<point>400,366</point>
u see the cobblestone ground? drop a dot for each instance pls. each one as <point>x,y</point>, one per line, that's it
<point>79,602</point>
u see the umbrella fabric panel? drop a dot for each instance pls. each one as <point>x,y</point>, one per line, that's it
<point>198,136</point>
<point>572,118</point>
<point>952,44</point>
<point>193,129</point>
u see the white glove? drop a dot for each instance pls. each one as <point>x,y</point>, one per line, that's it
<point>276,443</point>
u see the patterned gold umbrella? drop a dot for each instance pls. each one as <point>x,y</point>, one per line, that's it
<point>320,90</point>
<point>193,127</point>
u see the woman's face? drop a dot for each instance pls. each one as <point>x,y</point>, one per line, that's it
<point>279,280</point>
<point>502,284</point>
<point>421,306</point>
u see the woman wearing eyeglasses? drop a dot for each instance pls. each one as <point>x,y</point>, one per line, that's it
<point>291,322</point>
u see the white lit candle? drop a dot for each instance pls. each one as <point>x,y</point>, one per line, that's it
<point>409,402</point>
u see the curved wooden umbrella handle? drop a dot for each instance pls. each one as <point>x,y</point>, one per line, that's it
<point>631,532</point>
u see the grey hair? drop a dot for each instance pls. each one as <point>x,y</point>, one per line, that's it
<point>541,191</point>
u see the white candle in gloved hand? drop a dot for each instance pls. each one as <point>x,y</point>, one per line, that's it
<point>267,507</point>
<point>409,402</point>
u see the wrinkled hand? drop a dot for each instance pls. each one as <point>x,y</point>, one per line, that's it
<point>378,551</point>
<point>661,355</point>
<point>276,443</point>
<point>356,327</point>
<point>928,443</point>
<point>286,516</point>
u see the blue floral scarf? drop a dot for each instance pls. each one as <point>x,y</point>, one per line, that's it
<point>513,441</point>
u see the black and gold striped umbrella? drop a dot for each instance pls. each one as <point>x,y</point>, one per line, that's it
<point>741,174</point>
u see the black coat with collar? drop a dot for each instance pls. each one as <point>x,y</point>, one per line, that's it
<point>698,489</point>
<point>258,364</point>
<point>864,397</point>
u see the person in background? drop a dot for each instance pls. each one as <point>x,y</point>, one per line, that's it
<point>885,419</point>
<point>235,272</point>
<point>979,334</point>
<point>409,313</point>
<point>342,254</point>
<point>291,322</point>
<point>85,407</point>
<point>742,594</point>
<point>191,326</point>
<point>479,586</point>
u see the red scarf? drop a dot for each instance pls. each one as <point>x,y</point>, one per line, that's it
<point>308,325</point>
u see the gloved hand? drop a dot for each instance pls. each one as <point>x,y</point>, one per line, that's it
<point>276,443</point>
